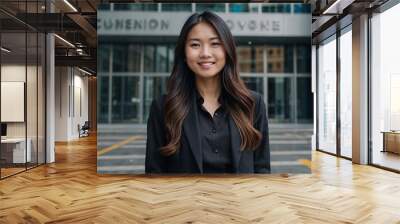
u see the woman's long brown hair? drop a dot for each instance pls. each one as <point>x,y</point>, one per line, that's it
<point>239,101</point>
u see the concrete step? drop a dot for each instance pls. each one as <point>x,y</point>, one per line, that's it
<point>121,160</point>
<point>287,158</point>
<point>127,169</point>
<point>139,169</point>
<point>295,169</point>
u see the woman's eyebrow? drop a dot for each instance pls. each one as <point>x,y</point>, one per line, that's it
<point>214,38</point>
<point>197,39</point>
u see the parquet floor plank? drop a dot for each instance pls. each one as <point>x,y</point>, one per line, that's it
<point>70,191</point>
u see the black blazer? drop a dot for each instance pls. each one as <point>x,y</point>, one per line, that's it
<point>188,159</point>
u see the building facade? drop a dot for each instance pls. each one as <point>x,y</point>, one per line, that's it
<point>136,51</point>
<point>135,58</point>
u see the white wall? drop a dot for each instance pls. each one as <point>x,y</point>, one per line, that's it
<point>61,103</point>
<point>71,94</point>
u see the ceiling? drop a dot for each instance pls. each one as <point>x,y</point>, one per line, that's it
<point>75,21</point>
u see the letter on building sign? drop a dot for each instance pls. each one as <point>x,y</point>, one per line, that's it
<point>119,24</point>
<point>241,25</point>
<point>98,24</point>
<point>153,24</point>
<point>230,24</point>
<point>108,24</point>
<point>164,25</point>
<point>137,25</point>
<point>276,26</point>
<point>128,24</point>
<point>252,25</point>
<point>264,25</point>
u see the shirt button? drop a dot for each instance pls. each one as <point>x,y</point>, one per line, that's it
<point>214,130</point>
<point>216,150</point>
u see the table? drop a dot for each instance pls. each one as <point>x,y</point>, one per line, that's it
<point>391,141</point>
<point>15,148</point>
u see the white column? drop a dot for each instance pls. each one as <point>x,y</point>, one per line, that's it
<point>360,90</point>
<point>314,91</point>
<point>50,99</point>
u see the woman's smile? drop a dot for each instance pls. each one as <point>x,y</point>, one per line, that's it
<point>204,51</point>
<point>206,65</point>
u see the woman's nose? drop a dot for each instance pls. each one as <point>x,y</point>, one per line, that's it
<point>205,52</point>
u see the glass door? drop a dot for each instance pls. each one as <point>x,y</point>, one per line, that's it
<point>327,96</point>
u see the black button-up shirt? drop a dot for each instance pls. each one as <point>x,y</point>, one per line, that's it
<point>215,138</point>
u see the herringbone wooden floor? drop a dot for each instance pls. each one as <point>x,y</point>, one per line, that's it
<point>70,191</point>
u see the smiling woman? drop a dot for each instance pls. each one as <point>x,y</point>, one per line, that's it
<point>208,122</point>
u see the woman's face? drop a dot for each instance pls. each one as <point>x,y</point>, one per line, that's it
<point>205,53</point>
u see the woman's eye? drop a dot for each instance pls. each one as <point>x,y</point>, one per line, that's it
<point>194,45</point>
<point>215,44</point>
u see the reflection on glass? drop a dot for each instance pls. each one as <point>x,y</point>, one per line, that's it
<point>120,55</point>
<point>250,59</point>
<point>327,97</point>
<point>176,7</point>
<point>238,7</point>
<point>149,52</point>
<point>158,58</point>
<point>385,89</point>
<point>304,100</point>
<point>302,8</point>
<point>126,59</point>
<point>14,154</point>
<point>161,59</point>
<point>103,6</point>
<point>255,84</point>
<point>280,59</point>
<point>103,96</point>
<point>125,99</point>
<point>304,58</point>
<point>153,87</point>
<point>345,95</point>
<point>135,7</point>
<point>279,92</point>
<point>104,57</point>
<point>276,8</point>
<point>214,7</point>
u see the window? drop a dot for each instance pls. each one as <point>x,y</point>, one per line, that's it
<point>304,100</point>
<point>104,57</point>
<point>176,7</point>
<point>153,87</point>
<point>385,87</point>
<point>103,7</point>
<point>302,8</point>
<point>125,99</point>
<point>215,7</point>
<point>279,99</point>
<point>103,97</point>
<point>250,59</point>
<point>304,59</point>
<point>158,58</point>
<point>346,94</point>
<point>135,7</point>
<point>126,59</point>
<point>238,7</point>
<point>276,8</point>
<point>327,96</point>
<point>280,63</point>
<point>255,84</point>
